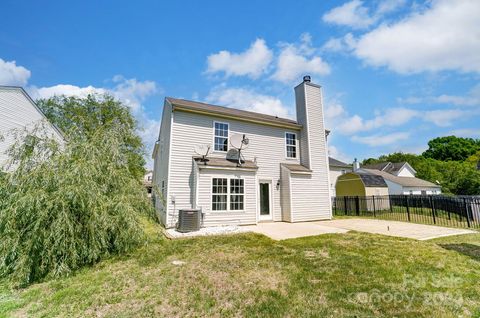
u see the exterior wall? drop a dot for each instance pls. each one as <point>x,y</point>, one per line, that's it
<point>336,172</point>
<point>418,191</point>
<point>394,188</point>
<point>350,184</point>
<point>397,189</point>
<point>161,163</point>
<point>314,193</point>
<point>285,195</point>
<point>304,203</point>
<point>17,113</point>
<point>376,191</point>
<point>204,201</point>
<point>267,146</point>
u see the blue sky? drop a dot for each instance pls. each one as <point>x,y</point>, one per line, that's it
<point>395,73</point>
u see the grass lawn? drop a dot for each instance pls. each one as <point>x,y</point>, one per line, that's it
<point>337,275</point>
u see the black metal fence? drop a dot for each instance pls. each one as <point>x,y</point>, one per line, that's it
<point>453,211</point>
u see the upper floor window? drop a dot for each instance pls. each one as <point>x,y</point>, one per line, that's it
<point>221,136</point>
<point>291,144</point>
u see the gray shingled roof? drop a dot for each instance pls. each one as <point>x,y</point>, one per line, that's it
<point>371,180</point>
<point>337,163</point>
<point>403,181</point>
<point>296,167</point>
<point>390,167</point>
<point>232,112</point>
<point>225,163</point>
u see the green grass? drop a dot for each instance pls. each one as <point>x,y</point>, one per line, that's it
<point>249,275</point>
<point>418,215</point>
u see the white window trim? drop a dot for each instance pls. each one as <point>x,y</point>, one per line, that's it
<point>228,195</point>
<point>228,137</point>
<point>296,146</point>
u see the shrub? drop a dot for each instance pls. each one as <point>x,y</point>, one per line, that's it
<point>72,208</point>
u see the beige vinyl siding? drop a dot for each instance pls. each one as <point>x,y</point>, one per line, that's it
<point>311,193</point>
<point>285,195</point>
<point>161,160</point>
<point>212,218</point>
<point>303,119</point>
<point>19,113</point>
<point>267,145</point>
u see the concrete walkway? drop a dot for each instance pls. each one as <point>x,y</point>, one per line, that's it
<point>283,230</point>
<point>395,228</point>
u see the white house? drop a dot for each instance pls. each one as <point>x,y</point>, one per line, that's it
<point>400,178</point>
<point>18,112</point>
<point>336,169</point>
<point>283,176</point>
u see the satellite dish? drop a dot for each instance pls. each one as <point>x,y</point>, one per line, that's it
<point>204,151</point>
<point>239,142</point>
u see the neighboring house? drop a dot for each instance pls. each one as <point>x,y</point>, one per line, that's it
<point>407,185</point>
<point>283,175</point>
<point>400,178</point>
<point>360,184</point>
<point>336,169</point>
<point>18,112</point>
<point>147,182</point>
<point>399,169</point>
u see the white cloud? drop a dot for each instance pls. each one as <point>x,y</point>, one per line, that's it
<point>252,62</point>
<point>248,99</point>
<point>295,60</point>
<point>336,153</point>
<point>338,119</point>
<point>11,74</point>
<point>443,117</point>
<point>445,36</point>
<point>355,15</point>
<point>342,44</point>
<point>133,92</point>
<point>130,91</point>
<point>352,14</point>
<point>471,99</point>
<point>63,89</point>
<point>381,140</point>
<point>388,6</point>
<point>466,132</point>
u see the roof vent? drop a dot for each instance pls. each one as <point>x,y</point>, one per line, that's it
<point>307,79</point>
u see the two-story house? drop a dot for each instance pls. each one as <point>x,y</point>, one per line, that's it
<point>283,174</point>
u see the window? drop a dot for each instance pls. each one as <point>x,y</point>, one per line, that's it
<point>237,190</point>
<point>291,144</point>
<point>221,136</point>
<point>228,194</point>
<point>219,194</point>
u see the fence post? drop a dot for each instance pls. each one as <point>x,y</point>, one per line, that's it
<point>432,206</point>
<point>408,209</point>
<point>345,205</point>
<point>466,211</point>
<point>357,205</point>
<point>335,205</point>
<point>373,199</point>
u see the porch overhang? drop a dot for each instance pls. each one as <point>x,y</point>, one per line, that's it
<point>225,164</point>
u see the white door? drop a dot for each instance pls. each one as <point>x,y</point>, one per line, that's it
<point>265,198</point>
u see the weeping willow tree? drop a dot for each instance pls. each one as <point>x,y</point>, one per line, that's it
<point>66,206</point>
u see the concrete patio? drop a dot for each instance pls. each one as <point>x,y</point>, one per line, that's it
<point>283,230</point>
